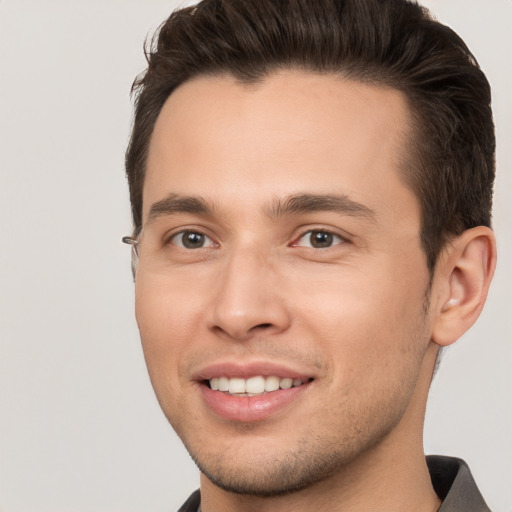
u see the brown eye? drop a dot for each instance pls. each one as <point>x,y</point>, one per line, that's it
<point>319,239</point>
<point>192,240</point>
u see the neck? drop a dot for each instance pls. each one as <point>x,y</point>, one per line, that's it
<point>392,476</point>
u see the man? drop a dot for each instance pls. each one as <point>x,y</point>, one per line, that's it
<point>311,187</point>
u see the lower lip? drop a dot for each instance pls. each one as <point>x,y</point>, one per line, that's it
<point>250,408</point>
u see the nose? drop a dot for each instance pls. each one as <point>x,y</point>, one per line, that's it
<point>250,300</point>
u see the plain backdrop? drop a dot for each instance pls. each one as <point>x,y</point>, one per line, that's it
<point>80,429</point>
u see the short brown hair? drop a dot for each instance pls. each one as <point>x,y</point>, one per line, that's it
<point>450,164</point>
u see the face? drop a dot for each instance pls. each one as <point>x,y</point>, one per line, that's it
<point>280,293</point>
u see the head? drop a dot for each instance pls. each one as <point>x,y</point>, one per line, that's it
<point>297,172</point>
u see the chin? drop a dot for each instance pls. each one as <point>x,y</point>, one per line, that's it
<point>276,472</point>
<point>276,478</point>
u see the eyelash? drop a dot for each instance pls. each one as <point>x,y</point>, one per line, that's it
<point>190,232</point>
<point>331,239</point>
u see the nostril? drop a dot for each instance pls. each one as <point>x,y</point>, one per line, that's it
<point>262,326</point>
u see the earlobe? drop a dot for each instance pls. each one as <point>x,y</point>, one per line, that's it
<point>463,277</point>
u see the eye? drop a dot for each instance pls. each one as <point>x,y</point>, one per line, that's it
<point>192,240</point>
<point>319,239</point>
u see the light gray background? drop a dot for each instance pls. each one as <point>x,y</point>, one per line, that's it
<point>80,429</point>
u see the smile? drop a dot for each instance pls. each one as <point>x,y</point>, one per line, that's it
<point>252,386</point>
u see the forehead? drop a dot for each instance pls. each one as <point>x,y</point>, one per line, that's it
<point>294,131</point>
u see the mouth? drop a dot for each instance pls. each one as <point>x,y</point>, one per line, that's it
<point>253,392</point>
<point>253,386</point>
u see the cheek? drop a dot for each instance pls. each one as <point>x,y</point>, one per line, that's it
<point>167,317</point>
<point>371,328</point>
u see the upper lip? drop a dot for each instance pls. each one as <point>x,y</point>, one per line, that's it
<point>249,369</point>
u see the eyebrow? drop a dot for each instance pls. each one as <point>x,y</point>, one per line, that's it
<point>295,204</point>
<point>310,203</point>
<point>176,203</point>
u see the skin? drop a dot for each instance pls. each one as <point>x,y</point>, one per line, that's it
<point>357,316</point>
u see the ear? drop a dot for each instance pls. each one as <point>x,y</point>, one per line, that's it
<point>462,280</point>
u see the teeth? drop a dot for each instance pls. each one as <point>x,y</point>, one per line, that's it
<point>256,385</point>
<point>286,383</point>
<point>272,383</point>
<point>236,385</point>
<point>223,384</point>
